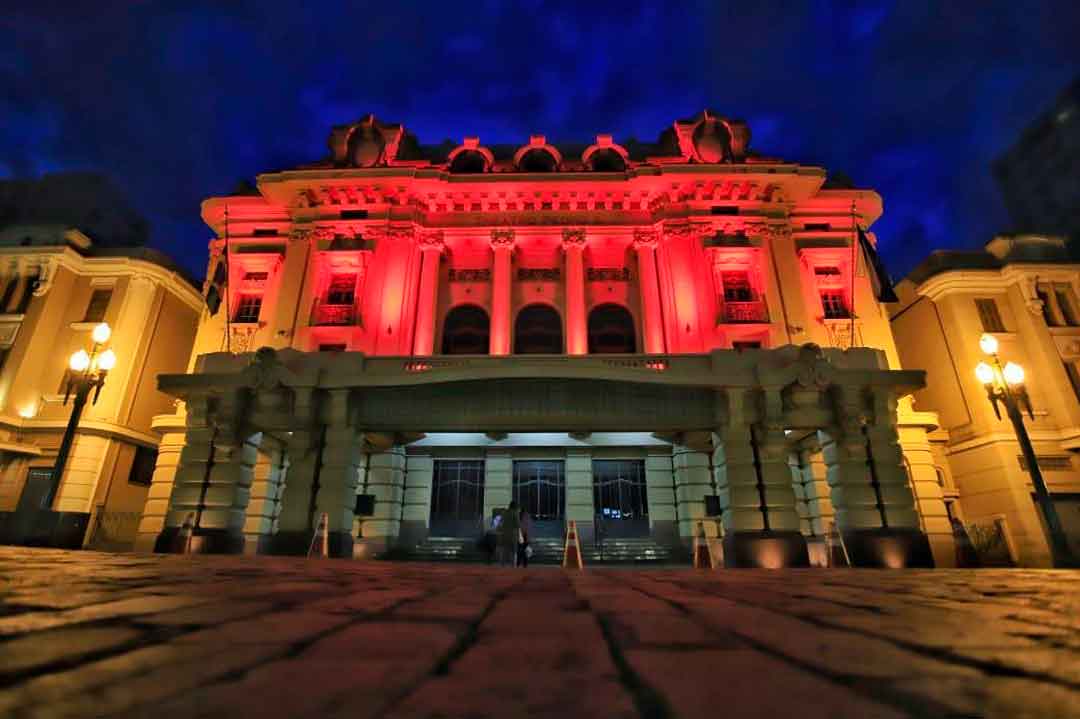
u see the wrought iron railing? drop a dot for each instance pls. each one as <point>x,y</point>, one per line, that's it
<point>332,315</point>
<point>753,311</point>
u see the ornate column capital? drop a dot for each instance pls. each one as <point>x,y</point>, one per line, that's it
<point>573,237</point>
<point>645,238</point>
<point>767,231</point>
<point>431,241</point>
<point>503,238</point>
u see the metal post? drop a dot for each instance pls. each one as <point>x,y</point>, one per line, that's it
<point>1059,544</point>
<point>82,391</point>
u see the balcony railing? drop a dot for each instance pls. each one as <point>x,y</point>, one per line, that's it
<point>332,315</point>
<point>735,312</point>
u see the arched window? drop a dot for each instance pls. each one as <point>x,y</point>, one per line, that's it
<point>468,162</point>
<point>607,160</point>
<point>538,331</point>
<point>611,330</point>
<point>538,160</point>
<point>466,331</point>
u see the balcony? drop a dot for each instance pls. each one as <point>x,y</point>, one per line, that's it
<point>323,315</point>
<point>744,312</point>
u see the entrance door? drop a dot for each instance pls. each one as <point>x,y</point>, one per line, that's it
<point>620,497</point>
<point>457,498</point>
<point>540,489</point>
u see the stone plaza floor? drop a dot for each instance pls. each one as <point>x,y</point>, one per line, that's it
<point>86,634</point>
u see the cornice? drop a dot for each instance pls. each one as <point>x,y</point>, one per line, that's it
<point>993,281</point>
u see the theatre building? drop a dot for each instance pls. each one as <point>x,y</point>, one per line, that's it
<point>650,339</point>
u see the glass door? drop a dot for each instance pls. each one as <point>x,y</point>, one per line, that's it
<point>457,498</point>
<point>620,497</point>
<point>540,489</point>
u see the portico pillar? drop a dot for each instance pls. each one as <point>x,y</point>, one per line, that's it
<point>579,491</point>
<point>577,334</point>
<point>693,481</point>
<point>341,460</point>
<point>648,285</point>
<point>213,481</point>
<point>386,480</point>
<point>152,522</point>
<point>431,247</point>
<point>502,245</point>
<point>498,481</point>
<point>875,510</point>
<point>267,484</point>
<point>296,511</point>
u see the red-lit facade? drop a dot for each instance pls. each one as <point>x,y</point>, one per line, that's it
<point>686,246</point>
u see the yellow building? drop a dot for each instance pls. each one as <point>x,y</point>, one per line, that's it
<point>1023,290</point>
<point>55,286</point>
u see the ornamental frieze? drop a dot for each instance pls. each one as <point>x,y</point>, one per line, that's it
<point>469,275</point>
<point>538,274</point>
<point>608,274</point>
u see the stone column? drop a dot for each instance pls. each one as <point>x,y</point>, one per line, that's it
<point>213,482</point>
<point>693,481</point>
<point>498,481</point>
<point>267,485</point>
<point>579,491</point>
<point>341,459</point>
<point>875,511</point>
<point>648,285</point>
<point>660,491</point>
<point>431,247</point>
<point>783,543</point>
<point>929,497</point>
<point>296,518</point>
<point>420,471</point>
<point>502,245</point>
<point>386,480</point>
<point>812,501</point>
<point>577,333</point>
<point>171,427</point>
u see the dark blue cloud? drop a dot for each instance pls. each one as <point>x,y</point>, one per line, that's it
<point>177,101</point>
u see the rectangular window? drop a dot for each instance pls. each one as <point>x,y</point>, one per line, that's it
<point>1065,305</point>
<point>737,287</point>
<point>99,302</point>
<point>989,315</point>
<point>9,292</point>
<point>27,294</point>
<point>832,302</point>
<point>332,348</point>
<point>725,209</point>
<point>354,214</point>
<point>1047,308</point>
<point>265,232</point>
<point>818,227</point>
<point>827,272</point>
<point>247,309</point>
<point>342,290</point>
<point>1074,378</point>
<point>747,345</point>
<point>142,466</point>
<point>256,276</point>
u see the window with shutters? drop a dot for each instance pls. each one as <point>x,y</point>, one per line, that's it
<point>99,303</point>
<point>247,308</point>
<point>989,315</point>
<point>834,305</point>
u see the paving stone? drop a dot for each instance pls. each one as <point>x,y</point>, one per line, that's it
<point>747,684</point>
<point>59,646</point>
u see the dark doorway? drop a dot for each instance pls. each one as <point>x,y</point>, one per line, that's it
<point>457,498</point>
<point>466,331</point>
<point>540,489</point>
<point>37,493</point>
<point>538,331</point>
<point>621,497</point>
<point>611,330</point>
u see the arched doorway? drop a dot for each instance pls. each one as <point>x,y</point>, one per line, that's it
<point>466,331</point>
<point>611,330</point>
<point>538,331</point>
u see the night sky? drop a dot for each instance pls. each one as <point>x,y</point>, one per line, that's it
<point>179,101</point>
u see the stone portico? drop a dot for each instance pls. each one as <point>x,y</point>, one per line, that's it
<point>787,439</point>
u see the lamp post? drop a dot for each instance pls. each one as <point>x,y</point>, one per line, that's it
<point>1005,384</point>
<point>87,371</point>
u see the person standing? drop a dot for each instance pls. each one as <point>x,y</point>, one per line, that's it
<point>491,536</point>
<point>508,535</point>
<point>524,537</point>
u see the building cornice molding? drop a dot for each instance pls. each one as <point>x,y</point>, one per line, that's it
<point>995,281</point>
<point>100,428</point>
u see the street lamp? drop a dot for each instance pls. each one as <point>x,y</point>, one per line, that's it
<point>1005,385</point>
<point>86,372</point>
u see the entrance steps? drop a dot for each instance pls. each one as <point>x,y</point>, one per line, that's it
<point>635,550</point>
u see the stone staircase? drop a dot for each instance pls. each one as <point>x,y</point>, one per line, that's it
<point>632,551</point>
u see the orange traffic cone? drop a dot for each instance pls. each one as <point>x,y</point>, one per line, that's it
<point>572,549</point>
<point>322,537</point>
<point>703,558</point>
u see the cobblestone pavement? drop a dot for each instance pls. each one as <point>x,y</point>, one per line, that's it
<point>86,634</point>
